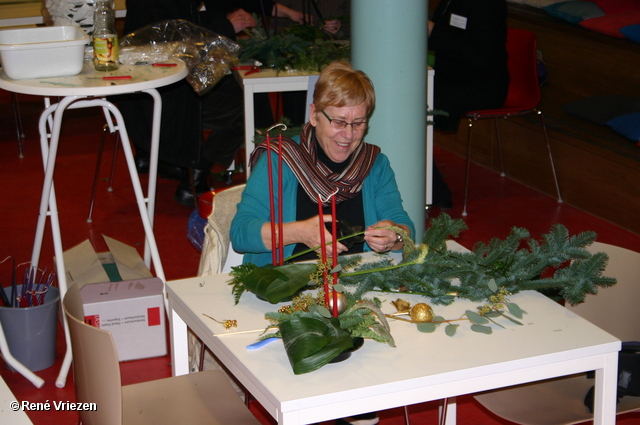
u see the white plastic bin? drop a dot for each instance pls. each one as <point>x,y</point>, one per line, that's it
<point>42,52</point>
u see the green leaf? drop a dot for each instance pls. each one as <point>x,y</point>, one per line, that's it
<point>451,329</point>
<point>512,320</point>
<point>493,287</point>
<point>428,327</point>
<point>336,269</point>
<point>338,287</point>
<point>322,310</point>
<point>438,319</point>
<point>476,318</point>
<point>481,329</point>
<point>312,342</point>
<point>278,283</point>
<point>515,309</point>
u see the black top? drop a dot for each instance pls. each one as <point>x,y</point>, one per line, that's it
<point>351,210</point>
<point>469,38</point>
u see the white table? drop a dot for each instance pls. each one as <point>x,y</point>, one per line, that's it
<point>85,90</point>
<point>423,367</point>
<point>268,81</point>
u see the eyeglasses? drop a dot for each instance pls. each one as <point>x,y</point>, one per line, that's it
<point>341,124</point>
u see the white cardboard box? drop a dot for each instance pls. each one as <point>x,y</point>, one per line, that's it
<point>131,308</point>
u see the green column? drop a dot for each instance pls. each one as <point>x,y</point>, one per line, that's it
<point>389,43</point>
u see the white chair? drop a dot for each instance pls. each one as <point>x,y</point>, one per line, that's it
<point>217,257</point>
<point>217,254</point>
<point>199,398</point>
<point>561,401</point>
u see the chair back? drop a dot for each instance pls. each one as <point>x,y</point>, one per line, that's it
<point>95,365</point>
<point>524,92</point>
<point>615,309</point>
<point>217,254</point>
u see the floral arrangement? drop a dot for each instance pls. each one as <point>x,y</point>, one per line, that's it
<point>317,329</point>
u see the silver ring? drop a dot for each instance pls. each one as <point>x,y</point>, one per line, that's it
<point>386,247</point>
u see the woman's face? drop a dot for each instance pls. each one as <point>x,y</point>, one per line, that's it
<point>338,144</point>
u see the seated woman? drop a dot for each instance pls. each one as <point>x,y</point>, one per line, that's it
<point>331,156</point>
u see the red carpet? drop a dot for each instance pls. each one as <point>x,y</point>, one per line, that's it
<point>496,205</point>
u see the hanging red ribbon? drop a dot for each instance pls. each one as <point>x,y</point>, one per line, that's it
<point>334,252</point>
<point>323,250</point>
<point>280,224</point>
<point>271,205</point>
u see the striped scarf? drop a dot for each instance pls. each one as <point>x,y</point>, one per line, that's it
<point>314,176</point>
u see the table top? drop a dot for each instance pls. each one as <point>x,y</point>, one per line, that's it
<point>552,341</point>
<point>7,414</point>
<point>90,82</point>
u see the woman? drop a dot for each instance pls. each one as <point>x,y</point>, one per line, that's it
<point>330,156</point>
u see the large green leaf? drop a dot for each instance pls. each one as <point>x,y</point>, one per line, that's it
<point>278,283</point>
<point>312,342</point>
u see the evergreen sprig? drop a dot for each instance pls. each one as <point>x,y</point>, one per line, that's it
<point>517,263</point>
<point>300,47</point>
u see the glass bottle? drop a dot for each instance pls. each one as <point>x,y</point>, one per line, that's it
<point>105,37</point>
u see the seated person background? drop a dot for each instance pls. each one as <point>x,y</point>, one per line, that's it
<point>184,113</point>
<point>468,38</point>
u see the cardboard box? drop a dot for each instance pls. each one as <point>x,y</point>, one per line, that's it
<point>120,295</point>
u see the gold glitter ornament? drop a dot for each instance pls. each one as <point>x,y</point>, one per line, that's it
<point>343,303</point>
<point>421,313</point>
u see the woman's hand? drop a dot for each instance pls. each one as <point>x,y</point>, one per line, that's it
<point>294,15</point>
<point>383,240</point>
<point>332,26</point>
<point>306,232</point>
<point>241,19</point>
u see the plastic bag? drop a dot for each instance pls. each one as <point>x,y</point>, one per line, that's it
<point>195,230</point>
<point>208,56</point>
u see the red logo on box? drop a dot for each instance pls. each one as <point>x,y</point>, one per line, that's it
<point>153,315</point>
<point>93,320</point>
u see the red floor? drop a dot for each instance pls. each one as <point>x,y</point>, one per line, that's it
<point>496,205</point>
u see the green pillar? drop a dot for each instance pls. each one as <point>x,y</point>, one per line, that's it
<point>389,43</point>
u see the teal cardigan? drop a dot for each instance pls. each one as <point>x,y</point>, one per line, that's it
<point>380,197</point>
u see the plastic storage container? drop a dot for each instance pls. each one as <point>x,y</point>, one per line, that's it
<point>42,52</point>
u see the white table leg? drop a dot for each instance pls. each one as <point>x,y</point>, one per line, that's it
<point>179,344</point>
<point>249,125</point>
<point>605,392</point>
<point>153,168</point>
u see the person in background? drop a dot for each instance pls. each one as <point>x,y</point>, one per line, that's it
<point>468,38</point>
<point>331,155</point>
<point>333,16</point>
<point>184,113</point>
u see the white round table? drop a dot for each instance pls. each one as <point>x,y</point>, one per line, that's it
<point>89,89</point>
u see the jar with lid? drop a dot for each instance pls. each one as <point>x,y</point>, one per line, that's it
<point>105,37</point>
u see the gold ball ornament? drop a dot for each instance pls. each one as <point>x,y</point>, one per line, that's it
<point>421,313</point>
<point>342,302</point>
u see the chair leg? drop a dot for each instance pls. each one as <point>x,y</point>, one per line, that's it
<point>18,119</point>
<point>113,163</point>
<point>406,415</point>
<point>466,178</point>
<point>553,167</point>
<point>495,123</point>
<point>443,411</point>
<point>105,128</point>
